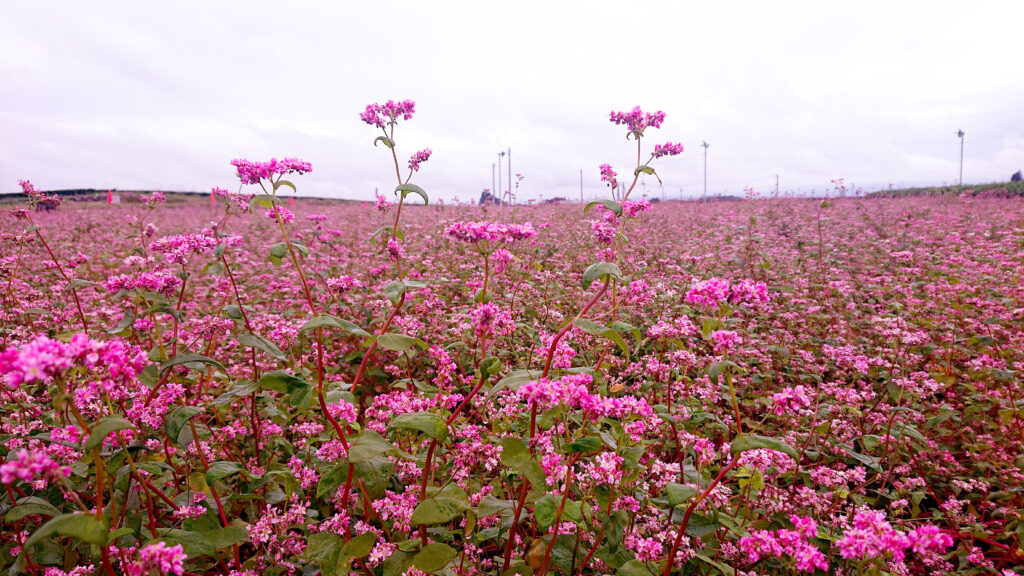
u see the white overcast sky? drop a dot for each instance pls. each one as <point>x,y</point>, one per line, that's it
<point>162,95</point>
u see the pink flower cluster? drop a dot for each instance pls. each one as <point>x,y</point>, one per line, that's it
<point>608,175</point>
<point>725,340</point>
<point>638,121</point>
<point>160,557</point>
<point>793,543</point>
<point>37,198</point>
<point>790,399</point>
<point>44,358</point>
<point>252,172</point>
<point>177,249</point>
<point>491,232</point>
<point>281,212</point>
<point>28,465</point>
<point>418,158</point>
<point>239,202</point>
<point>633,208</point>
<point>342,284</point>
<point>573,391</point>
<point>668,149</point>
<point>872,537</point>
<point>388,113</point>
<point>489,320</point>
<point>160,282</point>
<point>710,293</point>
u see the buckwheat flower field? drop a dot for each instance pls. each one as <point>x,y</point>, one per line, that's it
<point>769,386</point>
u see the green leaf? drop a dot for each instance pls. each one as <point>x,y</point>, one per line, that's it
<point>81,526</point>
<point>328,321</point>
<point>331,480</point>
<point>591,327</point>
<point>489,367</point>
<point>754,442</point>
<point>265,200</point>
<point>385,141</point>
<point>679,493</point>
<point>716,369</point>
<point>287,183</point>
<point>544,511</point>
<point>586,445</point>
<point>613,206</point>
<point>31,505</point>
<point>321,545</point>
<point>222,469</point>
<point>601,270</point>
<point>438,510</point>
<point>191,361</point>
<point>433,557</point>
<point>281,381</point>
<point>397,564</point>
<point>638,568</point>
<point>235,312</point>
<point>406,189</point>
<point>226,536</point>
<point>359,546</point>
<point>176,419</point>
<point>193,543</point>
<point>106,426</point>
<point>370,444</point>
<point>399,342</point>
<point>870,441</point>
<point>643,169</point>
<point>489,505</point>
<point>79,283</point>
<point>871,462</point>
<point>260,343</point>
<point>725,569</point>
<point>427,422</point>
<point>115,534</point>
<point>124,324</point>
<point>514,380</point>
<point>516,455</point>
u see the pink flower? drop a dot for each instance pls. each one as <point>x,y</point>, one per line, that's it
<point>790,399</point>
<point>725,340</point>
<point>29,465</point>
<point>668,149</point>
<point>608,175</point>
<point>489,232</point>
<point>281,212</point>
<point>160,557</point>
<point>342,284</point>
<point>708,293</point>
<point>388,113</point>
<point>177,249</point>
<point>252,172</point>
<point>418,158</point>
<point>633,208</point>
<point>637,121</point>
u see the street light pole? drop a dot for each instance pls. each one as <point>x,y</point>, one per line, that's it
<point>960,135</point>
<point>705,145</point>
<point>509,175</point>
<point>499,189</point>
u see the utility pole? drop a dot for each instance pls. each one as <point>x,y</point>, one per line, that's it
<point>499,190</point>
<point>960,135</point>
<point>776,185</point>
<point>509,175</point>
<point>705,145</point>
